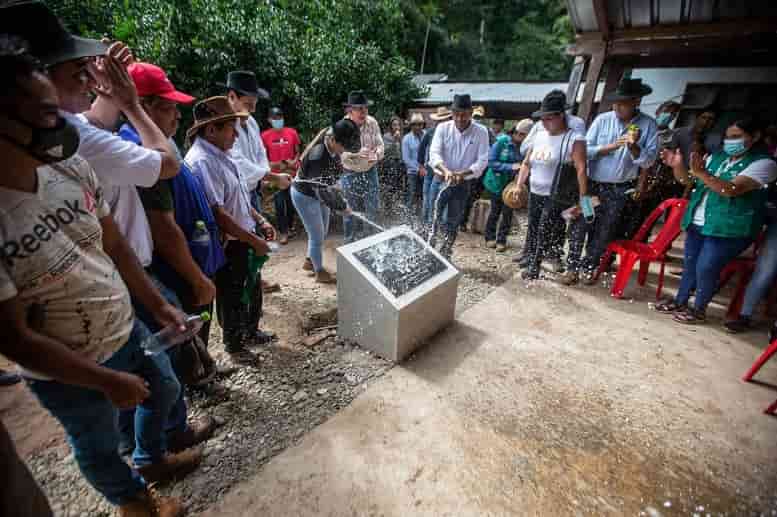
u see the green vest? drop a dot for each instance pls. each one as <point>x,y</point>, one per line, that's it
<point>731,217</point>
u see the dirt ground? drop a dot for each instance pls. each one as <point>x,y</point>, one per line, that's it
<point>301,307</point>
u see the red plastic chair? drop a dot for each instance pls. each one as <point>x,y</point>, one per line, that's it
<point>636,250</point>
<point>770,351</point>
<point>744,267</point>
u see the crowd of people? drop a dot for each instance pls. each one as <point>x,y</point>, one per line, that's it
<point>110,235</point>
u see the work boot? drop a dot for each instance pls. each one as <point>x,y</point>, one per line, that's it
<point>491,244</point>
<point>268,288</point>
<point>501,248</point>
<point>150,504</point>
<point>195,433</point>
<point>568,279</point>
<point>588,278</point>
<point>325,277</point>
<point>240,355</point>
<point>259,338</point>
<point>308,264</point>
<point>171,466</point>
<point>741,324</point>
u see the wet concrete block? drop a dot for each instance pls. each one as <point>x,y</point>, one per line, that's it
<point>393,292</point>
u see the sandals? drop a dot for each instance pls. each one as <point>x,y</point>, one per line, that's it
<point>690,317</point>
<point>669,307</point>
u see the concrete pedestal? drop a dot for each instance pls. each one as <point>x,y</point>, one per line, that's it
<point>389,320</point>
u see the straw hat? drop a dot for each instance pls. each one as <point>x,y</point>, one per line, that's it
<point>524,126</point>
<point>442,113</point>
<point>479,111</point>
<point>515,197</point>
<point>417,118</point>
<point>214,109</point>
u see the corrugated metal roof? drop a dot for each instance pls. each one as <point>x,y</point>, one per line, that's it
<point>527,92</point>
<point>443,92</point>
<point>626,14</point>
<point>424,79</point>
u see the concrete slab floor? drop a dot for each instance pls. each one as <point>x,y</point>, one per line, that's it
<point>543,400</point>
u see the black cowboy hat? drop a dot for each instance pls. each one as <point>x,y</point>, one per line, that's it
<point>628,89</point>
<point>358,99</point>
<point>461,102</point>
<point>48,39</point>
<point>244,82</point>
<point>554,102</point>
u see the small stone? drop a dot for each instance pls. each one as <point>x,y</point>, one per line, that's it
<point>300,396</point>
<point>322,391</point>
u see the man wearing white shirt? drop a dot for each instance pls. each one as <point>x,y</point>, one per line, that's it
<point>249,153</point>
<point>459,154</point>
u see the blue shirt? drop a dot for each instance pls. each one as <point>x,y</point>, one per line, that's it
<point>620,166</point>
<point>410,144</point>
<point>189,206</point>
<point>503,155</point>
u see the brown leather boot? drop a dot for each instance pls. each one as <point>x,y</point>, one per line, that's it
<point>171,466</point>
<point>325,277</point>
<point>196,432</point>
<point>150,504</point>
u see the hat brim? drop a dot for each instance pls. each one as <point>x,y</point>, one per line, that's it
<point>77,49</point>
<point>644,91</point>
<point>221,118</point>
<point>369,103</point>
<point>458,109</point>
<point>177,97</point>
<point>260,93</point>
<point>541,113</point>
<point>438,118</point>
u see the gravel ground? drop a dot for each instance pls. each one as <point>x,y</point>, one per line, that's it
<point>293,388</point>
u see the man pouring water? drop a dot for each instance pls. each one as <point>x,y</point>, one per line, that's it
<point>459,155</point>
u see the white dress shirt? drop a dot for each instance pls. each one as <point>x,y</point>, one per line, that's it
<point>460,150</point>
<point>249,153</point>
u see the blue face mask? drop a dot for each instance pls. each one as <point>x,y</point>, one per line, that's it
<point>734,147</point>
<point>664,119</point>
<point>277,123</point>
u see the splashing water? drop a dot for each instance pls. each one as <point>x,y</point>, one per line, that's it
<point>437,212</point>
<point>363,218</point>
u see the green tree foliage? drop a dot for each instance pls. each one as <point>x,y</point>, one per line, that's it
<point>307,53</point>
<point>520,39</point>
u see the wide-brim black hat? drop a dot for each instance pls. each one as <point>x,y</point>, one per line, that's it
<point>462,102</point>
<point>358,99</point>
<point>554,102</point>
<point>628,89</point>
<point>48,40</point>
<point>245,83</point>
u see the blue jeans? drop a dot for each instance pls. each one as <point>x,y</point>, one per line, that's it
<point>432,187</point>
<point>452,199</point>
<point>315,219</point>
<point>89,420</point>
<point>705,258</point>
<point>176,419</point>
<point>414,182</point>
<point>765,272</point>
<point>362,192</point>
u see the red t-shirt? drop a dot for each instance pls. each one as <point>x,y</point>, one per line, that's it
<point>280,144</point>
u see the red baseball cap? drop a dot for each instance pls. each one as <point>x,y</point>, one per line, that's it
<point>151,80</point>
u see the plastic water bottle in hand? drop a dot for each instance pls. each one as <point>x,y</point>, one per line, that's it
<point>199,244</point>
<point>171,335</point>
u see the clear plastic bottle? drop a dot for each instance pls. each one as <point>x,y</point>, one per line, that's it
<point>170,335</point>
<point>201,235</point>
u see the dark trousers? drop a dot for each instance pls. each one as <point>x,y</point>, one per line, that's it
<point>704,259</point>
<point>454,199</point>
<point>596,236</point>
<point>21,496</point>
<point>498,209</point>
<point>475,191</point>
<point>237,319</point>
<point>542,235</point>
<point>284,210</point>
